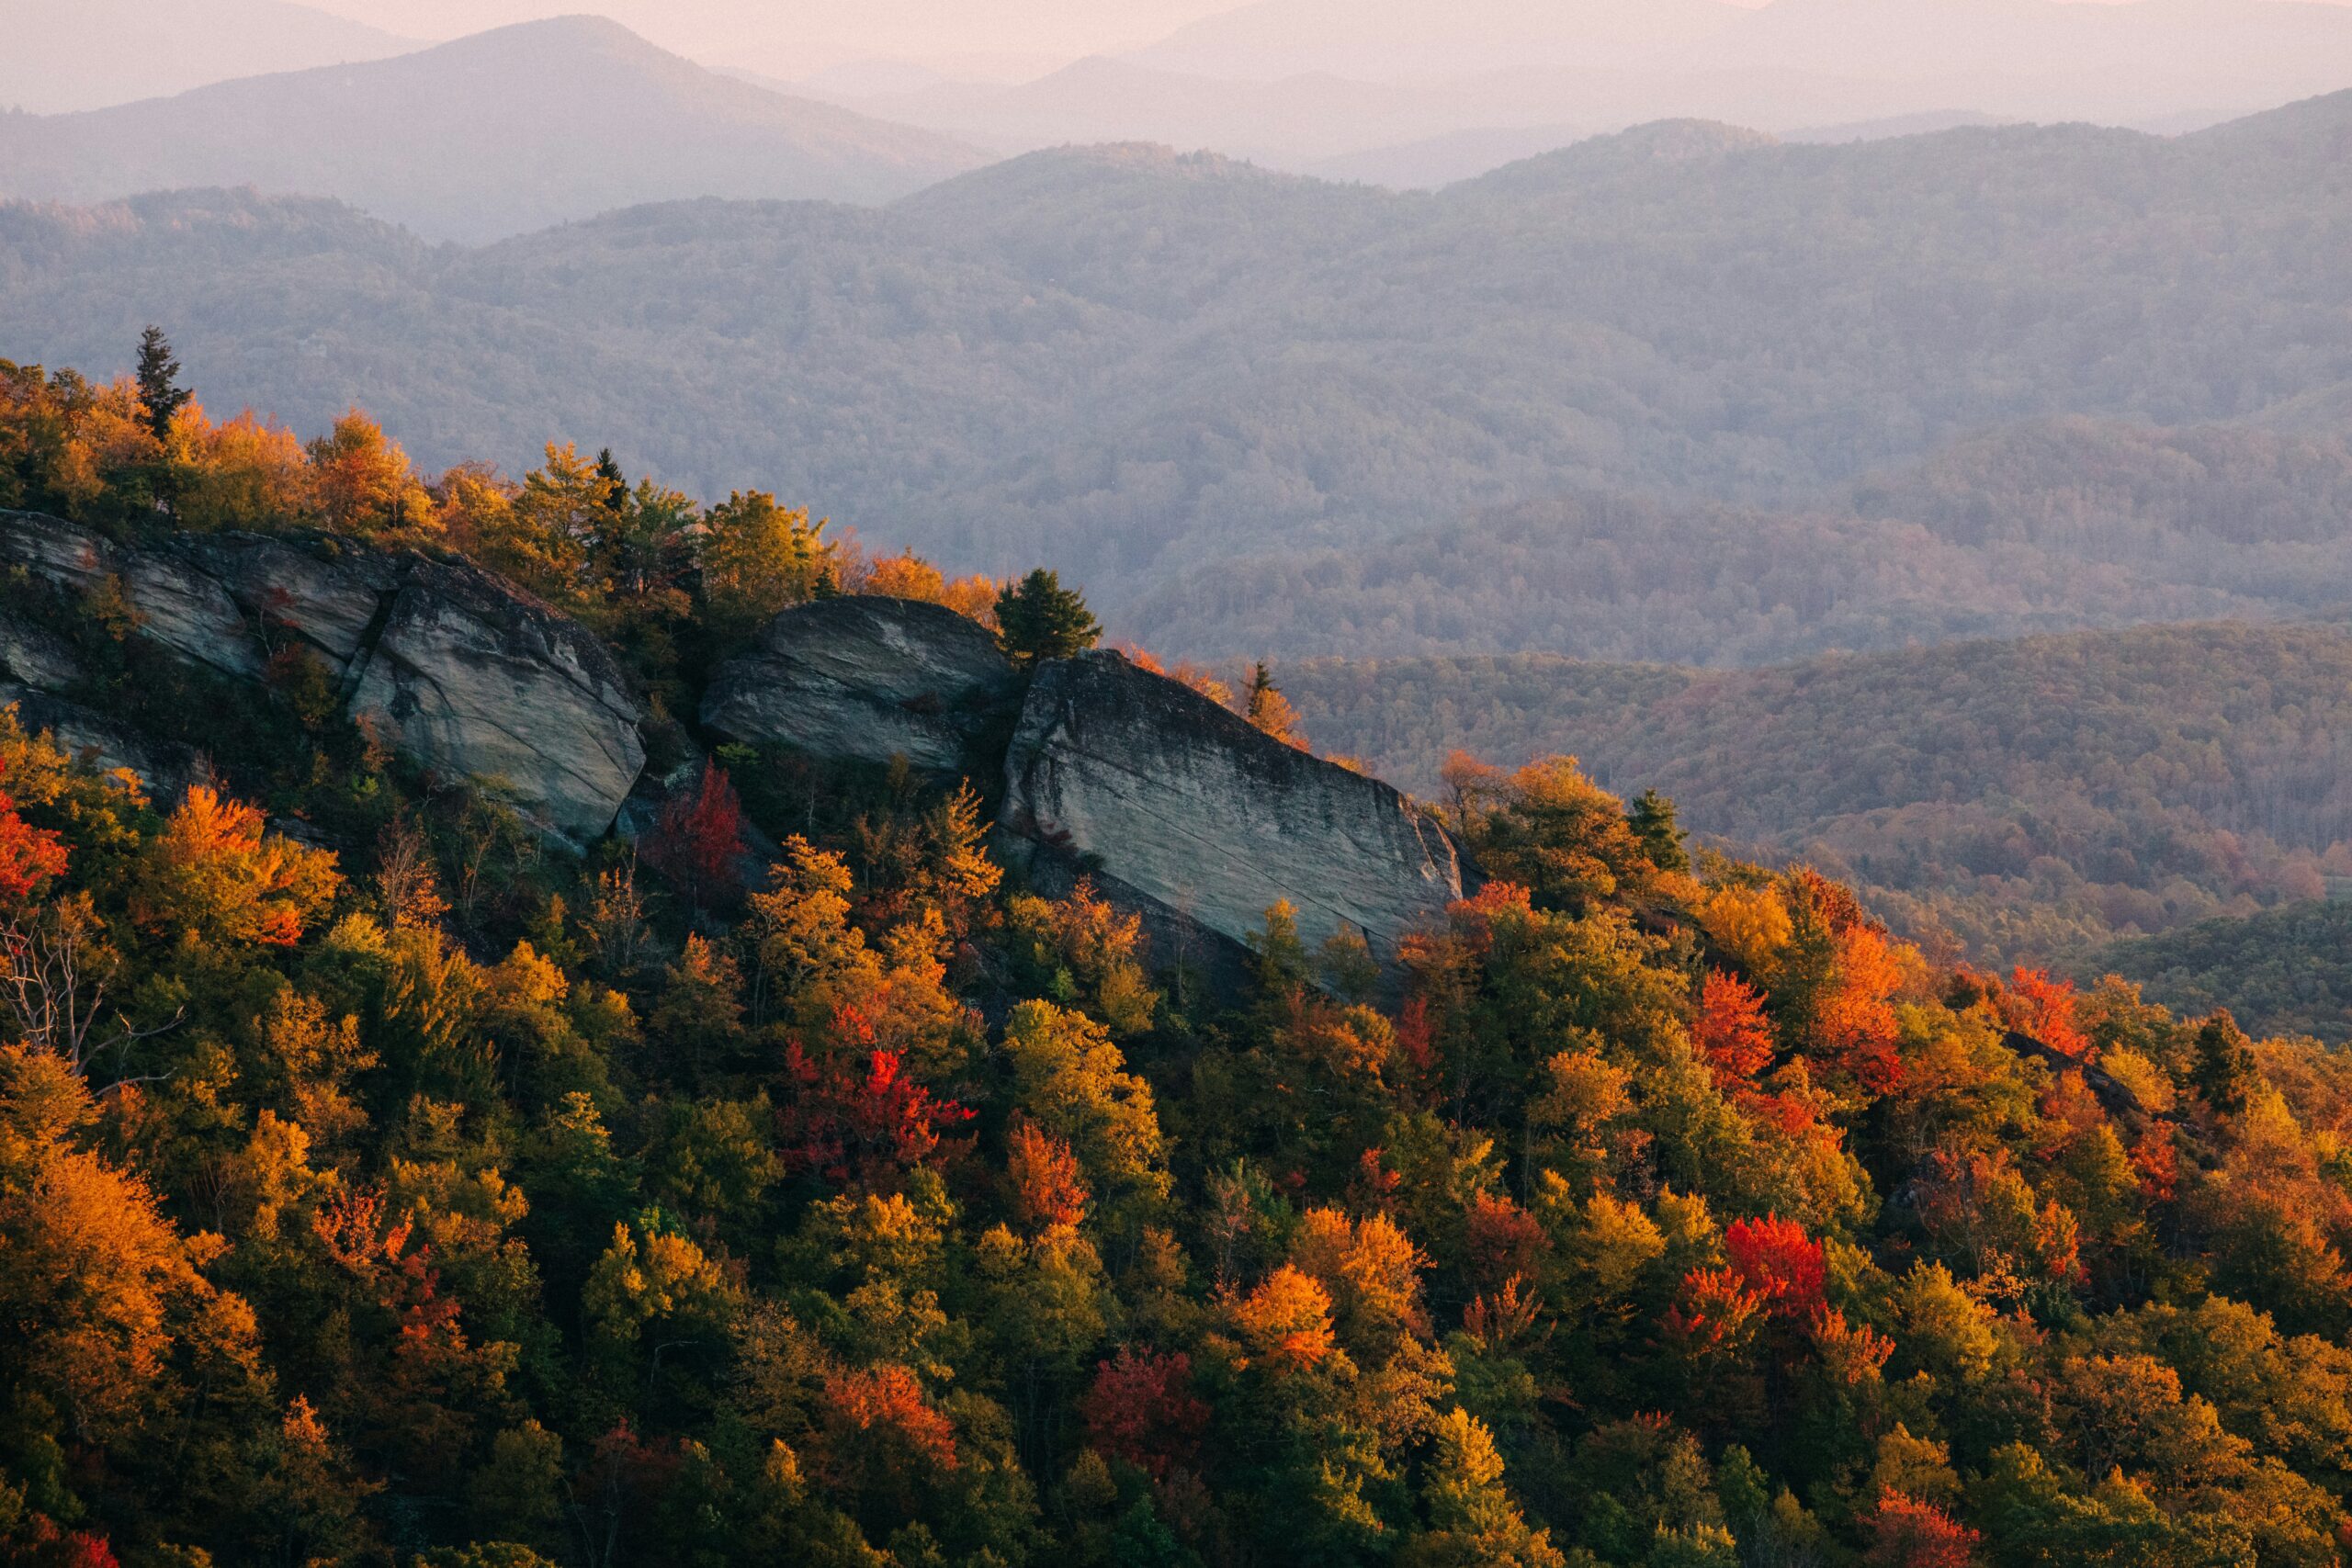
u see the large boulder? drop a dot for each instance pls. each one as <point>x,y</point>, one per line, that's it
<point>867,680</point>
<point>470,678</point>
<point>1180,807</point>
<point>446,663</point>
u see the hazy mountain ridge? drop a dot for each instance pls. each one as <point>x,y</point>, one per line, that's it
<point>2031,528</point>
<point>500,133</point>
<point>1415,92</point>
<point>1142,365</point>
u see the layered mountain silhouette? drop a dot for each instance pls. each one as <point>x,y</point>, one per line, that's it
<point>1181,379</point>
<point>62,55</point>
<point>1423,92</point>
<point>500,133</point>
<point>1386,40</point>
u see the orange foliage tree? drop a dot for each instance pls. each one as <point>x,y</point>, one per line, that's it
<point>214,874</point>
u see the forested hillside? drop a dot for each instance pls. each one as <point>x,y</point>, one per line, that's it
<point>384,1184</point>
<point>2287,971</point>
<point>1143,366</point>
<point>2027,799</point>
<point>2034,527</point>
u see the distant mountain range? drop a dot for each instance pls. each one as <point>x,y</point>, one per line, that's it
<point>1376,41</point>
<point>61,55</point>
<point>1257,411</point>
<point>497,134</point>
<point>1423,92</point>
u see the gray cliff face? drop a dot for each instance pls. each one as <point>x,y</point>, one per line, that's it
<point>865,680</point>
<point>446,663</point>
<point>1183,805</point>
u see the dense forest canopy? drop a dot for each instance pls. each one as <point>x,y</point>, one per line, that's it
<point>2289,968</point>
<point>1143,366</point>
<point>2026,800</point>
<point>379,1184</point>
<point>2044,527</point>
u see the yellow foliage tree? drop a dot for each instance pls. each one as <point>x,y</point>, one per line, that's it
<point>214,875</point>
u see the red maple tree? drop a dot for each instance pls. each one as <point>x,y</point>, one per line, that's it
<point>696,844</point>
<point>1907,1533</point>
<point>1731,1032</point>
<point>2044,1009</point>
<point>1048,1188</point>
<point>29,855</point>
<point>1780,1264</point>
<point>1141,1409</point>
<point>863,1126</point>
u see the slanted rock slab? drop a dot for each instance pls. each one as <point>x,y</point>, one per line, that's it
<point>866,680</point>
<point>1176,801</point>
<point>452,666</point>
<point>469,678</point>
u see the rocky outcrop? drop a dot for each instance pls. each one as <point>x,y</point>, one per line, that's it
<point>867,680</point>
<point>164,768</point>
<point>445,662</point>
<point>31,655</point>
<point>1179,807</point>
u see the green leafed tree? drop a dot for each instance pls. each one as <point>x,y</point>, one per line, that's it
<point>1038,619</point>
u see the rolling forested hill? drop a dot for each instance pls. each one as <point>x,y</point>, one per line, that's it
<point>2027,799</point>
<point>1143,366</point>
<point>2285,971</point>
<point>2037,527</point>
<point>400,1170</point>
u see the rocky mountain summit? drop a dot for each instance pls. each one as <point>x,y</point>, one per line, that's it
<point>1175,807</point>
<point>444,660</point>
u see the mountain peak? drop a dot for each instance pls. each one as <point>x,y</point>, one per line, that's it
<point>495,134</point>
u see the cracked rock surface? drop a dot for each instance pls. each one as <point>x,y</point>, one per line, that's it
<point>1172,799</point>
<point>866,680</point>
<point>451,665</point>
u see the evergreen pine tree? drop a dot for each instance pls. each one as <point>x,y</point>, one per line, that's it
<point>1651,820</point>
<point>160,392</point>
<point>1037,619</point>
<point>2223,1070</point>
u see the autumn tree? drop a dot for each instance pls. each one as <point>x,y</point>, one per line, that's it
<point>1141,1410</point>
<point>363,483</point>
<point>755,558</point>
<point>1473,1523</point>
<point>215,874</point>
<point>698,842</point>
<point>29,857</point>
<point>1733,1033</point>
<point>1559,835</point>
<point>1269,711</point>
